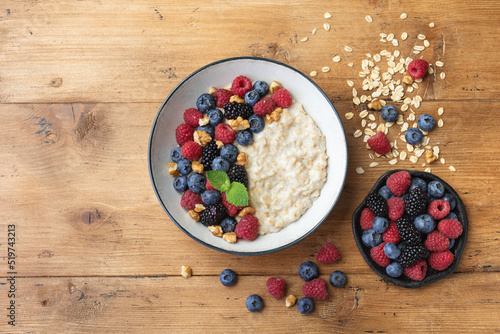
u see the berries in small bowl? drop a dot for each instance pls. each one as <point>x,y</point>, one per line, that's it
<point>422,246</point>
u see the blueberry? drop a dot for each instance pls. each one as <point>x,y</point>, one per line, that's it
<point>196,183</point>
<point>228,224</point>
<point>244,137</point>
<point>175,154</point>
<point>205,102</point>
<point>424,223</point>
<point>426,254</point>
<point>417,182</point>
<point>413,136</point>
<point>215,116</point>
<point>229,152</point>
<point>389,113</point>
<point>210,196</point>
<point>451,215</point>
<point>252,97</point>
<point>220,164</point>
<point>426,122</point>
<point>184,166</point>
<point>254,303</point>
<point>380,224</point>
<point>338,279</point>
<point>394,269</point>
<point>261,87</point>
<point>256,123</point>
<point>208,129</point>
<point>435,189</point>
<point>450,199</point>
<point>227,277</point>
<point>305,305</point>
<point>385,193</point>
<point>371,238</point>
<point>391,250</point>
<point>308,271</point>
<point>452,243</point>
<point>181,183</point>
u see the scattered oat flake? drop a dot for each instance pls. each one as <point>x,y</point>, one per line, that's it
<point>313,73</point>
<point>421,37</point>
<point>442,160</point>
<point>402,155</point>
<point>374,164</point>
<point>442,75</point>
<point>440,111</point>
<point>304,39</point>
<point>360,170</point>
<point>363,114</point>
<point>439,63</point>
<point>336,59</point>
<point>404,36</point>
<point>368,19</point>
<point>349,115</point>
<point>348,48</point>
<point>414,159</point>
<point>314,31</point>
<point>356,100</point>
<point>440,123</point>
<point>350,64</point>
<point>431,24</point>
<point>428,170</point>
<point>326,26</point>
<point>371,117</point>
<point>358,133</point>
<point>403,16</point>
<point>393,161</point>
<point>325,69</point>
<point>350,83</point>
<point>327,15</point>
<point>427,43</point>
<point>430,70</point>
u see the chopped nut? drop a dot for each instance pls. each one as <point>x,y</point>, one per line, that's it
<point>274,87</point>
<point>407,79</point>
<point>194,215</point>
<point>186,271</point>
<point>375,105</point>
<point>199,207</point>
<point>238,124</point>
<point>290,301</point>
<point>204,121</point>
<point>230,237</point>
<point>212,90</point>
<point>197,167</point>
<point>172,169</point>
<point>274,116</point>
<point>242,158</point>
<point>247,210</point>
<point>430,157</point>
<point>216,230</point>
<point>202,138</point>
<point>237,99</point>
<point>219,144</point>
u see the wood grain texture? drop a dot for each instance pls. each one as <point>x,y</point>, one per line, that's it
<point>80,85</point>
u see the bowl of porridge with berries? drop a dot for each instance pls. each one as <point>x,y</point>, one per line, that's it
<point>247,156</point>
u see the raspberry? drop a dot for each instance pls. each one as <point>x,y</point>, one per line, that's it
<point>399,182</point>
<point>241,85</point>
<point>191,150</point>
<point>189,199</point>
<point>328,253</point>
<point>391,234</point>
<point>395,207</point>
<point>436,242</point>
<point>315,289</point>
<point>209,186</point>
<point>451,228</point>
<point>264,106</point>
<point>417,68</point>
<point>222,96</point>
<point>378,255</point>
<point>379,143</point>
<point>276,287</point>
<point>225,133</point>
<point>439,209</point>
<point>232,210</point>
<point>440,260</point>
<point>247,228</point>
<point>183,134</point>
<point>282,98</point>
<point>366,220</point>
<point>377,204</point>
<point>192,117</point>
<point>417,271</point>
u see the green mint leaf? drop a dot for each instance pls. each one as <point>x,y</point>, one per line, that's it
<point>237,194</point>
<point>219,180</point>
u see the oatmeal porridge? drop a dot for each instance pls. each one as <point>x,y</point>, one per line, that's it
<point>286,169</point>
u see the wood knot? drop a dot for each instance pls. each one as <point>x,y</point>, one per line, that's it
<point>46,253</point>
<point>76,296</point>
<point>56,83</point>
<point>46,302</point>
<point>89,216</point>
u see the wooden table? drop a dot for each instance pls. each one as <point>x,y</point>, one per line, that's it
<point>80,85</point>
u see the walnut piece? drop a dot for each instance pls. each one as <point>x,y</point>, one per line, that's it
<point>172,169</point>
<point>247,210</point>
<point>375,105</point>
<point>238,124</point>
<point>212,90</point>
<point>194,215</point>
<point>204,121</point>
<point>274,116</point>
<point>407,79</point>
<point>430,157</point>
<point>219,144</point>
<point>216,230</point>
<point>202,138</point>
<point>290,300</point>
<point>237,99</point>
<point>197,167</point>
<point>199,208</point>
<point>274,87</point>
<point>186,271</point>
<point>242,158</point>
<point>230,237</point>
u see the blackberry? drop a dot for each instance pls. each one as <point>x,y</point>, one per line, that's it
<point>213,214</point>
<point>416,202</point>
<point>411,255</point>
<point>237,173</point>
<point>408,232</point>
<point>377,204</point>
<point>232,110</point>
<point>209,153</point>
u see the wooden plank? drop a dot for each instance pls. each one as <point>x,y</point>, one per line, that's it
<point>75,182</point>
<point>90,51</point>
<point>201,304</point>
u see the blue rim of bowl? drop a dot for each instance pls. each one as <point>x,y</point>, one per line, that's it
<point>156,189</point>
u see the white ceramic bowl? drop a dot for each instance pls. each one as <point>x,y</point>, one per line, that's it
<point>220,74</point>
